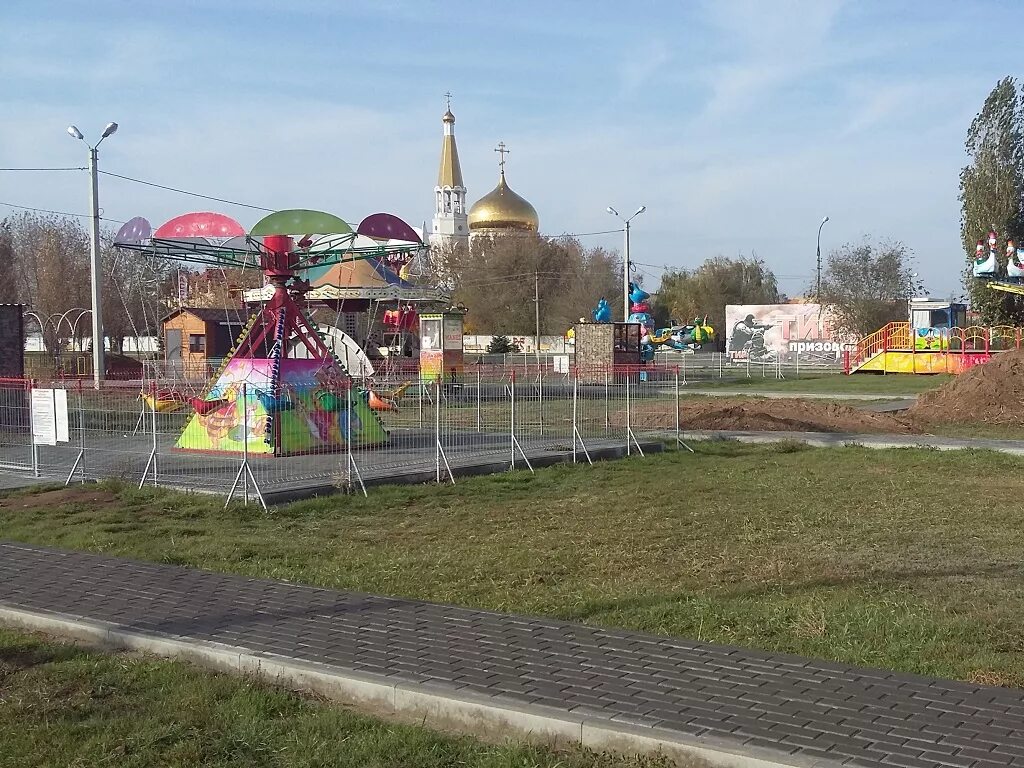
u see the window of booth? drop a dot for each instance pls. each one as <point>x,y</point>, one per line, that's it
<point>430,333</point>
<point>196,342</point>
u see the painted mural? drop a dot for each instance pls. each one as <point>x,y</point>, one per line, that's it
<point>309,414</point>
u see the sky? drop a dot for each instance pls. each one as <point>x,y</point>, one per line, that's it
<point>740,124</point>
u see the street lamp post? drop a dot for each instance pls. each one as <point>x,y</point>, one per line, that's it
<point>94,262</point>
<point>625,258</point>
<point>817,290</point>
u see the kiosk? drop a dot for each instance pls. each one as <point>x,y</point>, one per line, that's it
<point>441,356</point>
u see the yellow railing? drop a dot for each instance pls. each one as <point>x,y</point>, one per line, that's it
<point>890,336</point>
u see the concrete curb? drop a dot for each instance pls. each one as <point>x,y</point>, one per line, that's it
<point>432,705</point>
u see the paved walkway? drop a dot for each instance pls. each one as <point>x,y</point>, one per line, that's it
<point>603,687</point>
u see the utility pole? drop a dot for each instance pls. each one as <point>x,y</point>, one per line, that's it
<point>536,312</point>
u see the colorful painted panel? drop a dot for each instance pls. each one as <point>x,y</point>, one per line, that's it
<point>307,412</point>
<point>924,362</point>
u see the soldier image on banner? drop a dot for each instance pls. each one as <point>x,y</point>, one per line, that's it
<point>764,333</point>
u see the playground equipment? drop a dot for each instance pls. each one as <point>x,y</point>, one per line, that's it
<point>936,339</point>
<point>987,267</point>
<point>687,338</point>
<point>267,398</point>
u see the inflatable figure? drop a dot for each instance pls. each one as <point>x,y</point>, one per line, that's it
<point>603,313</point>
<point>985,266</point>
<point>1015,266</point>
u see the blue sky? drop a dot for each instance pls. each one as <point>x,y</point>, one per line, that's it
<point>738,124</point>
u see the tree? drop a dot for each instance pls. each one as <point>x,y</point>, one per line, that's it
<point>496,279</point>
<point>52,269</point>
<point>133,287</point>
<point>502,345</point>
<point>706,290</point>
<point>866,286</point>
<point>9,289</point>
<point>991,190</point>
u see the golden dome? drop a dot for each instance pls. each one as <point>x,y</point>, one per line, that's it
<point>501,208</point>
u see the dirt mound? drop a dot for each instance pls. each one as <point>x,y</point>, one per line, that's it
<point>992,393</point>
<point>781,415</point>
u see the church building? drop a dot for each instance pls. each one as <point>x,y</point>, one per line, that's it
<point>500,212</point>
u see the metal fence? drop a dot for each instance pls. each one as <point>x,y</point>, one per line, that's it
<point>488,419</point>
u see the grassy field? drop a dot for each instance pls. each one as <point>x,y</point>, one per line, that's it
<point>905,559</point>
<point>62,705</point>
<point>860,384</point>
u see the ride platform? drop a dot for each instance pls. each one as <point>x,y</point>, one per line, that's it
<point>899,348</point>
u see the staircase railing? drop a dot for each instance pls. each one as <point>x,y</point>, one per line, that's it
<point>890,336</point>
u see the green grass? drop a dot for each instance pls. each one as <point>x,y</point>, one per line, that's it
<point>905,559</point>
<point>858,384</point>
<point>62,705</point>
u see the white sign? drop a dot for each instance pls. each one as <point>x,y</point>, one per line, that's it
<point>50,416</point>
<point>561,363</point>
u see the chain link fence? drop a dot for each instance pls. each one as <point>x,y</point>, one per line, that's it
<point>166,430</point>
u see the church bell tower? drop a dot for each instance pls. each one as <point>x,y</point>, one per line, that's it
<point>450,221</point>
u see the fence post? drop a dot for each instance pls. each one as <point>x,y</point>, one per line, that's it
<point>607,424</point>
<point>245,443</point>
<point>32,430</point>
<point>437,430</point>
<point>81,429</point>
<point>629,422</point>
<point>512,424</point>
<point>419,401</point>
<point>540,397</point>
<point>478,384</point>
<point>574,396</point>
<point>155,467</point>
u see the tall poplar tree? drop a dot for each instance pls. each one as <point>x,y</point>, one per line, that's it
<point>992,194</point>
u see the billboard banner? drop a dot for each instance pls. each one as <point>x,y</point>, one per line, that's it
<point>765,332</point>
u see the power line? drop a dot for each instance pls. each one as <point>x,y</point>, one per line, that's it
<point>58,213</point>
<point>186,192</point>
<point>80,168</point>
<point>587,234</point>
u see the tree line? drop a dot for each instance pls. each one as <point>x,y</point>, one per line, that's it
<point>47,269</point>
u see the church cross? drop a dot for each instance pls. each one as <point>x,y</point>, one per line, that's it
<point>448,100</point>
<point>500,149</point>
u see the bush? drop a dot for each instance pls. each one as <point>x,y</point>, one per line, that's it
<point>502,345</point>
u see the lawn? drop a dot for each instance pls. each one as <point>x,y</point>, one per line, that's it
<point>907,559</point>
<point>63,705</point>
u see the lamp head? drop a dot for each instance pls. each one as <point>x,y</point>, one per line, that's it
<point>824,220</point>
<point>74,132</point>
<point>640,210</point>
<point>109,130</point>
<point>612,211</point>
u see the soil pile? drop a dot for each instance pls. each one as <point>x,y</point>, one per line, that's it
<point>775,415</point>
<point>991,393</point>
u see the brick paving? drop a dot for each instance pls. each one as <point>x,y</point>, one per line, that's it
<point>796,709</point>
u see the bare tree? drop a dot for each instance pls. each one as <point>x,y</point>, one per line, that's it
<point>866,286</point>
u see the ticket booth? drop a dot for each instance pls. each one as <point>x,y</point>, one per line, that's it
<point>441,347</point>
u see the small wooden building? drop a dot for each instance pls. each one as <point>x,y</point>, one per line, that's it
<point>603,347</point>
<point>193,336</point>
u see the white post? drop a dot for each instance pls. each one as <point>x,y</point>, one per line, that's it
<point>478,384</point>
<point>437,430</point>
<point>95,273</point>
